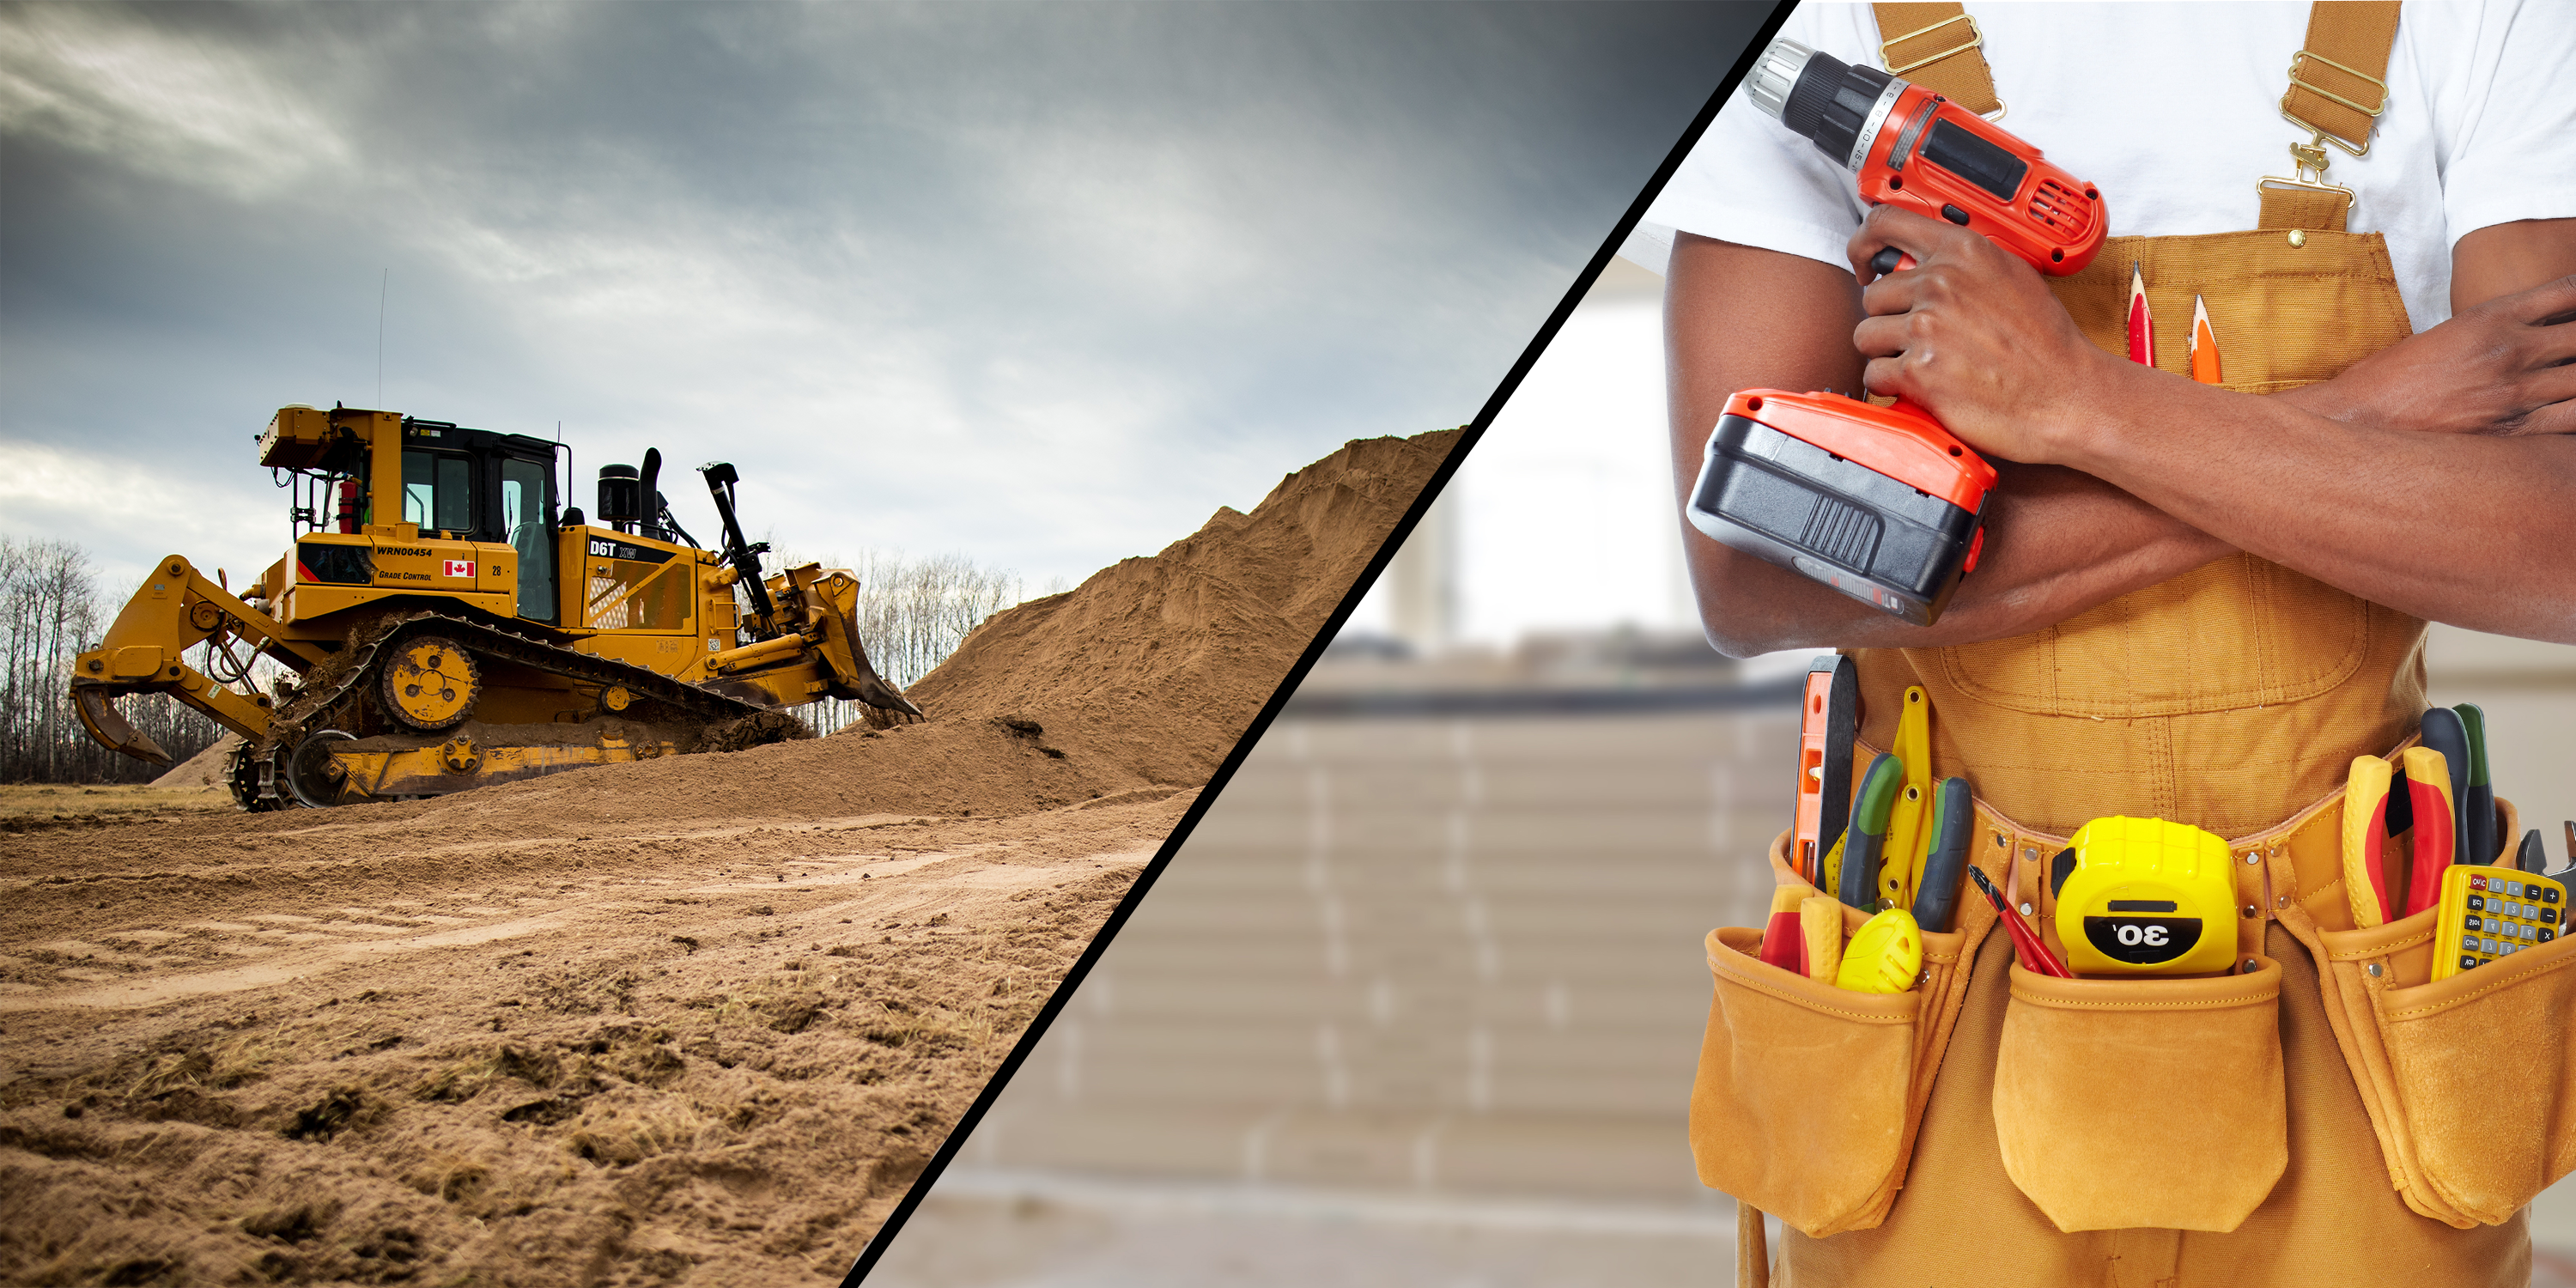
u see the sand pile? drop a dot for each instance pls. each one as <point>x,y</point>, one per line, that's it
<point>1155,665</point>
<point>203,771</point>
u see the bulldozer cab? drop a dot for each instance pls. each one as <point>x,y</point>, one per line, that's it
<point>392,503</point>
<point>477,485</point>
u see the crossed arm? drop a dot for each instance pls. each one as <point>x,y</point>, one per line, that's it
<point>2437,477</point>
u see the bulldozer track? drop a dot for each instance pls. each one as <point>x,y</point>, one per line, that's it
<point>485,640</point>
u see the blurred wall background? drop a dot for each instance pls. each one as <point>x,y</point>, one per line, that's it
<point>1420,1000</point>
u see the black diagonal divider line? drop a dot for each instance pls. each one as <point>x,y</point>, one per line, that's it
<point>1395,540</point>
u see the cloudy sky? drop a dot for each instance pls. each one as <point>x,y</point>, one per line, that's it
<point>1043,285</point>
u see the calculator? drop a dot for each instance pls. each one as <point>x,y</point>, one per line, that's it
<point>2490,912</point>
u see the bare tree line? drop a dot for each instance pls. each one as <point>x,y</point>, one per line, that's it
<point>50,610</point>
<point>912,614</point>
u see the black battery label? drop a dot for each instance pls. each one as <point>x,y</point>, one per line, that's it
<point>2142,941</point>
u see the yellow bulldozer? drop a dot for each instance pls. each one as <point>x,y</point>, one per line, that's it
<point>447,624</point>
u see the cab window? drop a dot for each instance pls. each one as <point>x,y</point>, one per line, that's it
<point>523,524</point>
<point>438,491</point>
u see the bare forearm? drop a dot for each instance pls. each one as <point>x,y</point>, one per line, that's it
<point>2058,541</point>
<point>2474,530</point>
<point>2469,526</point>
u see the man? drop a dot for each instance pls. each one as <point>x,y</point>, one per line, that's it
<point>2193,603</point>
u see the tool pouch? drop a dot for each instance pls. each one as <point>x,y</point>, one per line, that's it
<point>1808,1096</point>
<point>2469,1081</point>
<point>2143,1102</point>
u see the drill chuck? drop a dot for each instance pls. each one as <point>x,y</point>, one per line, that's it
<point>1835,105</point>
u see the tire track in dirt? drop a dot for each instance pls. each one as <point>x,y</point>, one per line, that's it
<point>724,1062</point>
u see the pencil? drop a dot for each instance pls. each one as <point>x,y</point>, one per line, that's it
<point>2142,325</point>
<point>2204,345</point>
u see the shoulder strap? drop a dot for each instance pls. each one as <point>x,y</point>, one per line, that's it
<point>1752,1258</point>
<point>1936,46</point>
<point>2338,87</point>
<point>2339,82</point>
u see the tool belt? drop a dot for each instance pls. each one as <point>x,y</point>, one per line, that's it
<point>1808,1096</point>
<point>2162,1103</point>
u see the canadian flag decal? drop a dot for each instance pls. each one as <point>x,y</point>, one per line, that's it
<point>458,568</point>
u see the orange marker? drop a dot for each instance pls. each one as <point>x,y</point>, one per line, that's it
<point>2204,346</point>
<point>2142,325</point>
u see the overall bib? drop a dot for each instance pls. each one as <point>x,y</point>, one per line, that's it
<point>2188,1132</point>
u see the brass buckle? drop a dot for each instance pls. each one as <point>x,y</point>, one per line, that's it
<point>2308,161</point>
<point>2329,95</point>
<point>1976,38</point>
<point>2310,157</point>
<point>2273,180</point>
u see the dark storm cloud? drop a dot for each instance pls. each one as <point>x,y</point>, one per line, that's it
<point>1042,284</point>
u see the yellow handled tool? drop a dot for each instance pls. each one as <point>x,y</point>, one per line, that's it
<point>1884,955</point>
<point>1820,918</point>
<point>1901,866</point>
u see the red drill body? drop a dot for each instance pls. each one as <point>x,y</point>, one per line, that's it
<point>1895,525</point>
<point>1947,162</point>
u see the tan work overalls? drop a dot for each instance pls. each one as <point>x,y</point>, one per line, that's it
<point>2234,698</point>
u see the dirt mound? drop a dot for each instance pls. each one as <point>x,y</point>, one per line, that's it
<point>1156,664</point>
<point>205,770</point>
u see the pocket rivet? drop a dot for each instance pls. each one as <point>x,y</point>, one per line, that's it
<point>2002,842</point>
<point>2373,968</point>
<point>2282,902</point>
<point>2251,966</point>
<point>1922,979</point>
<point>2251,910</point>
<point>2029,854</point>
<point>2025,910</point>
<point>2251,858</point>
<point>2298,238</point>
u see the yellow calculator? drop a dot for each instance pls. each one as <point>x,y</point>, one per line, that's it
<point>2489,913</point>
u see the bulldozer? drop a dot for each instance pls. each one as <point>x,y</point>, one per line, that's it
<point>443,623</point>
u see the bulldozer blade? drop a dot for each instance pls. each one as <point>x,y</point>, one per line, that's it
<point>99,714</point>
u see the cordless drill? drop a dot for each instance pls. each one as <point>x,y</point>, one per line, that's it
<point>1882,503</point>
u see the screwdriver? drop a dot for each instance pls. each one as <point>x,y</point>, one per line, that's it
<point>1936,896</point>
<point>2446,733</point>
<point>2478,842</point>
<point>2034,954</point>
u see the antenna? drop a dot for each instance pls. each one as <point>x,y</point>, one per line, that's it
<point>383,287</point>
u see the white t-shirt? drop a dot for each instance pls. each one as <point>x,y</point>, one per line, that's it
<point>2173,110</point>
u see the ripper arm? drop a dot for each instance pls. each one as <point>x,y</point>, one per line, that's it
<point>176,610</point>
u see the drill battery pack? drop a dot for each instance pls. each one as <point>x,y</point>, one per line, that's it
<point>1880,503</point>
